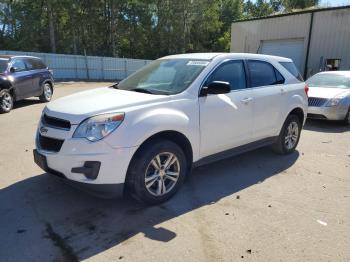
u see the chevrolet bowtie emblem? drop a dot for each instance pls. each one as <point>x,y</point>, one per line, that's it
<point>43,130</point>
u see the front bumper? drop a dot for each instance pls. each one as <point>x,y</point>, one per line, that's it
<point>95,167</point>
<point>328,113</point>
<point>100,190</point>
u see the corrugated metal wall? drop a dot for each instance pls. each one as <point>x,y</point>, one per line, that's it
<point>247,36</point>
<point>330,39</point>
<point>330,36</point>
<point>86,68</point>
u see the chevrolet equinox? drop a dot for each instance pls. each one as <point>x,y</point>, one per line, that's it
<point>145,134</point>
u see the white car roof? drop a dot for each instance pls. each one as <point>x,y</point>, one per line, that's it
<point>342,73</point>
<point>206,56</point>
<point>211,56</point>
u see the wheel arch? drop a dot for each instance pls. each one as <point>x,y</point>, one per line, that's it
<point>299,112</point>
<point>174,136</point>
<point>6,85</point>
<point>296,110</point>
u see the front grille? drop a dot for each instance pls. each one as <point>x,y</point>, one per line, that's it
<point>55,122</point>
<point>317,102</point>
<point>50,144</point>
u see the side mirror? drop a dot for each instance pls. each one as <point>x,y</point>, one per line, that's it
<point>12,69</point>
<point>216,88</point>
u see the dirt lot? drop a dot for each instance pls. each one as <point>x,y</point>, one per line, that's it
<point>254,207</point>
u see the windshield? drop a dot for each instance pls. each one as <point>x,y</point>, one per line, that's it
<point>3,65</point>
<point>165,76</point>
<point>329,80</point>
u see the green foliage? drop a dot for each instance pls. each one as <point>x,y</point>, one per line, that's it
<point>258,9</point>
<point>299,4</point>
<point>128,28</point>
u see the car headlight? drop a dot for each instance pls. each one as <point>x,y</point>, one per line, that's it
<point>334,101</point>
<point>97,127</point>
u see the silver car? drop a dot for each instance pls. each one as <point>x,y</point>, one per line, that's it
<point>329,96</point>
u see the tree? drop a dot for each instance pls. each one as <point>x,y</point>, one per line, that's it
<point>128,28</point>
<point>299,4</point>
<point>258,9</point>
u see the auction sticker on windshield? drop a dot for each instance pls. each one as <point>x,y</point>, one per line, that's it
<point>198,63</point>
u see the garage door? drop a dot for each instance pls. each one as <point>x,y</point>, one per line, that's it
<point>291,48</point>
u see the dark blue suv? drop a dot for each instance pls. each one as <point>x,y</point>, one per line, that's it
<point>22,77</point>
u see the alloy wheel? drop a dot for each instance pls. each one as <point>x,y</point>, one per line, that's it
<point>47,91</point>
<point>162,174</point>
<point>7,102</point>
<point>291,138</point>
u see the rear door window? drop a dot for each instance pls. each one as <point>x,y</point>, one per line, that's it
<point>290,66</point>
<point>263,74</point>
<point>232,72</point>
<point>34,64</point>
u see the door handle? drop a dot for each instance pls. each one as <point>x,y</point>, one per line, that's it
<point>283,91</point>
<point>246,100</point>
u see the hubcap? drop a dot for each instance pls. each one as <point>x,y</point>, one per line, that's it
<point>292,135</point>
<point>7,101</point>
<point>162,174</point>
<point>47,91</point>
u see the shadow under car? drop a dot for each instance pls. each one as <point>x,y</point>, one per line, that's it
<point>80,226</point>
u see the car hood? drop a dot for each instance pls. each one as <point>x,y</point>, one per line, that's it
<point>80,106</point>
<point>327,92</point>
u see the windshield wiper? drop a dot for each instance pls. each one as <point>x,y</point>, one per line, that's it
<point>142,90</point>
<point>115,86</point>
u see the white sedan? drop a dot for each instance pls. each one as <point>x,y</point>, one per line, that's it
<point>329,96</point>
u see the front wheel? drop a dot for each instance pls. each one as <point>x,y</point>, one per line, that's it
<point>6,102</point>
<point>289,136</point>
<point>157,171</point>
<point>47,93</point>
<point>347,118</point>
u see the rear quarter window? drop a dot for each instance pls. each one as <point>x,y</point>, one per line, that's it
<point>290,66</point>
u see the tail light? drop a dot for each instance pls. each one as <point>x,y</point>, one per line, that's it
<point>306,89</point>
<point>51,71</point>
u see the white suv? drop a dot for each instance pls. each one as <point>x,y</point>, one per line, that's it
<point>145,133</point>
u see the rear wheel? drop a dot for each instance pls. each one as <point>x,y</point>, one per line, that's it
<point>157,171</point>
<point>47,93</point>
<point>289,136</point>
<point>6,102</point>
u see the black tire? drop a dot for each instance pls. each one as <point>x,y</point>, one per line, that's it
<point>6,102</point>
<point>281,146</point>
<point>141,164</point>
<point>46,96</point>
<point>347,118</point>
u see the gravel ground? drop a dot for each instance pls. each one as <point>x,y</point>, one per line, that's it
<point>253,207</point>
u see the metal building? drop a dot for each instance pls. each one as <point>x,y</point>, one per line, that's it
<point>316,40</point>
